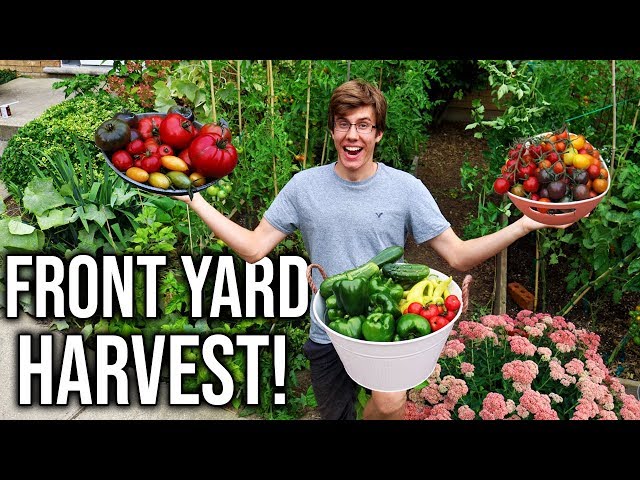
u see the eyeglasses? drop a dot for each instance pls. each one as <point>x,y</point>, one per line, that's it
<point>361,127</point>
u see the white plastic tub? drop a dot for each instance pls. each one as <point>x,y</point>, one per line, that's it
<point>390,366</point>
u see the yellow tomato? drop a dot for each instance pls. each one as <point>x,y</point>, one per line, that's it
<point>569,155</point>
<point>577,141</point>
<point>171,162</point>
<point>137,174</point>
<point>581,160</point>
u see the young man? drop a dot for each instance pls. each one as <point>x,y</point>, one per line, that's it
<point>347,212</point>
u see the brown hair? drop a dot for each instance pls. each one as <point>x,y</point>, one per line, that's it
<point>355,94</point>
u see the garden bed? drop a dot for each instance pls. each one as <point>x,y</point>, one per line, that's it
<point>448,147</point>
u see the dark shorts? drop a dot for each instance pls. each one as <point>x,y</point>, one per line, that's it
<point>334,390</point>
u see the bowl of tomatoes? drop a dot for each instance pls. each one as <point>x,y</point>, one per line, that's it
<point>555,178</point>
<point>168,154</point>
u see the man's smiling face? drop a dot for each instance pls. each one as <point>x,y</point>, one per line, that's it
<point>355,149</point>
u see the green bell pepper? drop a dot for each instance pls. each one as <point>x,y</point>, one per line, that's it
<point>379,327</point>
<point>412,325</point>
<point>382,302</point>
<point>331,302</point>
<point>348,326</point>
<point>377,284</point>
<point>352,295</point>
<point>332,312</point>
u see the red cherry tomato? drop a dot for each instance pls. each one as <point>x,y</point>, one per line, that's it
<point>415,307</point>
<point>452,303</point>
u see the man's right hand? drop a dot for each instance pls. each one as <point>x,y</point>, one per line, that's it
<point>185,198</point>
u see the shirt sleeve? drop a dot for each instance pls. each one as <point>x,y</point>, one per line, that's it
<point>425,219</point>
<point>282,213</point>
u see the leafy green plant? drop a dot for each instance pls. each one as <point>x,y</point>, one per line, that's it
<point>56,130</point>
<point>81,84</point>
<point>89,201</point>
<point>151,237</point>
<point>7,75</point>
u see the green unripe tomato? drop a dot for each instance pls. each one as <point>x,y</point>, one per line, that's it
<point>222,194</point>
<point>227,187</point>
<point>213,190</point>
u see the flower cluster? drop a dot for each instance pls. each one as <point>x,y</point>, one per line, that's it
<point>536,367</point>
<point>135,79</point>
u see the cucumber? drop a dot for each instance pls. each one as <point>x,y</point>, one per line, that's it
<point>388,255</point>
<point>406,273</point>
<point>366,270</point>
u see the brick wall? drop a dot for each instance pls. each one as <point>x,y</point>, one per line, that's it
<point>29,68</point>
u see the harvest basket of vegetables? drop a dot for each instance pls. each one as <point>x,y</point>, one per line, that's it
<point>388,321</point>
<point>554,178</point>
<point>167,154</point>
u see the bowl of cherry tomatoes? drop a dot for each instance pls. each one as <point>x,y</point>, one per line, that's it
<point>554,178</point>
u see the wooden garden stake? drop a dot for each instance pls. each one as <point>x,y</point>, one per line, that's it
<point>324,146</point>
<point>238,63</point>
<point>633,129</point>
<point>306,130</point>
<point>632,137</point>
<point>189,222</point>
<point>272,109</point>
<point>213,97</point>
<point>348,70</point>
<point>613,90</point>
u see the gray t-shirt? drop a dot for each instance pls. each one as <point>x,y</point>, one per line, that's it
<point>344,224</point>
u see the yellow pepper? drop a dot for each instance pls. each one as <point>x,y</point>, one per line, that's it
<point>440,289</point>
<point>417,291</point>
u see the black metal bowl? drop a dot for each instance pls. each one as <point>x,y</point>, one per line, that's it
<point>150,188</point>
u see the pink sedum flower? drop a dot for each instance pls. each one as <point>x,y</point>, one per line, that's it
<point>535,367</point>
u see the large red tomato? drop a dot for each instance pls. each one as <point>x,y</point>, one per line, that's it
<point>212,156</point>
<point>149,126</point>
<point>176,131</point>
<point>221,130</point>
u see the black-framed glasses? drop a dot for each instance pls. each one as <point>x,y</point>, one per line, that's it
<point>361,127</point>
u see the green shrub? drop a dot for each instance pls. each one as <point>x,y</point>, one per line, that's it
<point>7,76</point>
<point>54,131</point>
